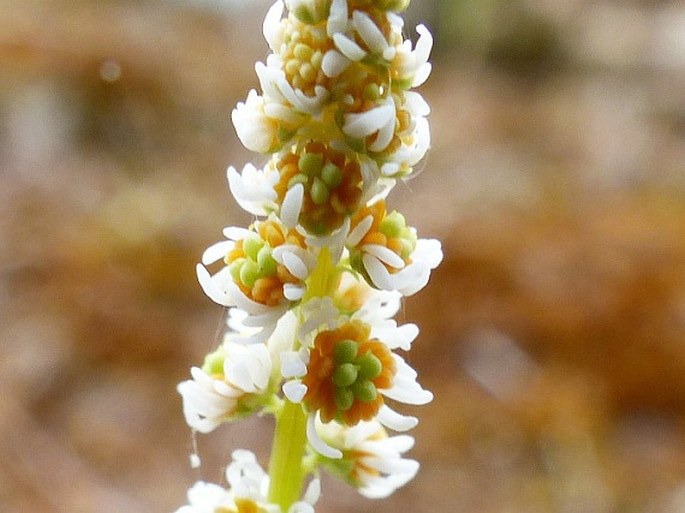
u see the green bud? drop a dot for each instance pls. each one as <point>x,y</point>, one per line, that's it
<point>365,391</point>
<point>319,191</point>
<point>344,398</point>
<point>310,163</point>
<point>345,375</point>
<point>235,267</point>
<point>345,351</point>
<point>393,224</point>
<point>303,52</point>
<point>251,247</point>
<point>371,92</point>
<point>370,367</point>
<point>266,261</point>
<point>332,175</point>
<point>304,15</point>
<point>249,273</point>
<point>317,59</point>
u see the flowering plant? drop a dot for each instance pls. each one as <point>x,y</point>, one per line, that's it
<point>312,285</point>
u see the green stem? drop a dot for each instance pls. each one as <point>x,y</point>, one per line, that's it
<point>285,468</point>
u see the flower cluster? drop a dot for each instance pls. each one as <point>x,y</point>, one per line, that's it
<point>313,284</point>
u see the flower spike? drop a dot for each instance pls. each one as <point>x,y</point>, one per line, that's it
<point>313,284</point>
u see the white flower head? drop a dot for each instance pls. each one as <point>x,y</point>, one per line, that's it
<point>415,137</point>
<point>387,252</point>
<point>344,369</point>
<point>255,128</point>
<point>249,483</point>
<point>248,491</point>
<point>231,384</point>
<point>371,461</point>
<point>253,189</point>
<point>206,498</point>
<point>264,271</point>
<point>412,65</point>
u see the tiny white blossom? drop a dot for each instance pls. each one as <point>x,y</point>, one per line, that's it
<point>248,490</point>
<point>256,130</point>
<point>371,460</point>
<point>408,279</point>
<point>223,392</point>
<point>412,64</point>
<point>264,271</point>
<point>253,189</point>
<point>206,498</point>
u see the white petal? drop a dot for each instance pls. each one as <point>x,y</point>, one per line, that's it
<point>366,123</point>
<point>292,204</point>
<point>292,365</point>
<point>393,465</point>
<point>319,445</point>
<point>313,492</point>
<point>210,288</point>
<point>296,266</point>
<point>369,32</point>
<point>334,63</point>
<point>424,44</point>
<point>384,254</point>
<point>216,252</point>
<point>294,390</point>
<point>236,233</point>
<point>393,420</point>
<point>395,336</point>
<point>271,27</point>
<point>377,272</point>
<point>359,231</point>
<point>337,19</point>
<point>293,292</point>
<point>349,48</point>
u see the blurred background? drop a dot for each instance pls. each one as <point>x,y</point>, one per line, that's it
<point>553,334</point>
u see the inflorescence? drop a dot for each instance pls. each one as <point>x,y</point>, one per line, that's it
<point>313,284</point>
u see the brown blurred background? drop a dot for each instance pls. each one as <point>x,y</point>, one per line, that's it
<point>553,335</point>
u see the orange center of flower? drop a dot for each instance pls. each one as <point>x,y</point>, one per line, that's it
<point>332,184</point>
<point>253,267</point>
<point>345,372</point>
<point>389,230</point>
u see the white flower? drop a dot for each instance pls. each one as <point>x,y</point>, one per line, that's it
<point>221,392</point>
<point>253,189</point>
<point>249,481</point>
<point>371,461</point>
<point>413,65</point>
<point>346,366</point>
<point>383,247</point>
<point>256,130</point>
<point>206,498</point>
<point>416,140</point>
<point>260,276</point>
<point>408,279</point>
<point>379,120</point>
<point>248,491</point>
